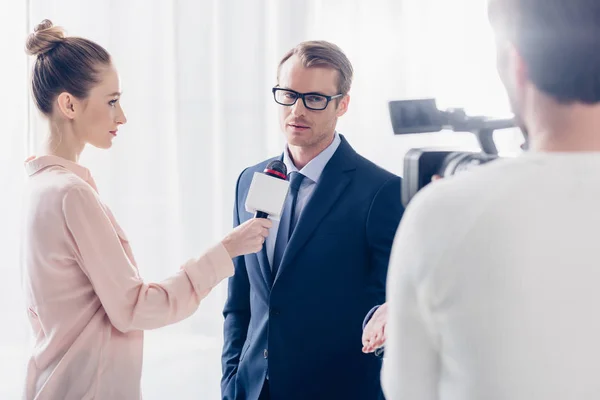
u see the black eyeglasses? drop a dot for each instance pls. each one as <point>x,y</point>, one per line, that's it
<point>312,101</point>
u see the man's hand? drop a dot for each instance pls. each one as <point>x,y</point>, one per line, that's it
<point>374,333</point>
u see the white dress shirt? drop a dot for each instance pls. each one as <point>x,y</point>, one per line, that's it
<point>493,286</point>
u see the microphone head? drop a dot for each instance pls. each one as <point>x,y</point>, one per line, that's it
<point>267,193</point>
<point>276,169</point>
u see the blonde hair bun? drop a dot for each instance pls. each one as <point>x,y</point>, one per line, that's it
<point>44,38</point>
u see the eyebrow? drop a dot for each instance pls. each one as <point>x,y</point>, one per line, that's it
<point>115,94</point>
<point>287,88</point>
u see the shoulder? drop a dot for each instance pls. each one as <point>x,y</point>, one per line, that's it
<point>447,210</point>
<point>374,171</point>
<point>245,177</point>
<point>58,183</point>
<point>381,187</point>
<point>476,186</point>
<point>381,180</point>
<point>81,192</point>
<point>367,173</point>
<point>448,219</point>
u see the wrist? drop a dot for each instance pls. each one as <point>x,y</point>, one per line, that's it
<point>227,243</point>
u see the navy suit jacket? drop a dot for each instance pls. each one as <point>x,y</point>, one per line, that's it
<point>305,325</point>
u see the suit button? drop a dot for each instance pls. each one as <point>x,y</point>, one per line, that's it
<point>266,353</point>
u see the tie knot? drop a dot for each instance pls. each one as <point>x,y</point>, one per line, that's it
<point>295,180</point>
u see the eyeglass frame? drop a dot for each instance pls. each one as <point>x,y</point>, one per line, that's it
<point>302,96</point>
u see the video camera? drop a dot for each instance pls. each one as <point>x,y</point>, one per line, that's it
<point>423,116</point>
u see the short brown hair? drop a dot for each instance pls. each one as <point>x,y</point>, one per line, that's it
<point>63,64</point>
<point>323,54</point>
<point>559,41</point>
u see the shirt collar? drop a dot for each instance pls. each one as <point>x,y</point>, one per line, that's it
<point>33,165</point>
<point>315,167</point>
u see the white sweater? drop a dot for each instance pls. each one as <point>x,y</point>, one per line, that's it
<point>494,285</point>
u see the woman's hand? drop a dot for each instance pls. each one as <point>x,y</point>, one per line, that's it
<point>248,237</point>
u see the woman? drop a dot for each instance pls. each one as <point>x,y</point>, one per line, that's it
<point>87,303</point>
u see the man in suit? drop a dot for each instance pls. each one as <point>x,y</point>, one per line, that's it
<point>293,317</point>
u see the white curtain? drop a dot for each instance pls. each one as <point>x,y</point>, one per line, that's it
<point>196,77</point>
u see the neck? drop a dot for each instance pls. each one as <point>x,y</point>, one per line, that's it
<point>63,142</point>
<point>555,127</point>
<point>302,155</point>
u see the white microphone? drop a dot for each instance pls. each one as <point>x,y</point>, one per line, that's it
<point>268,191</point>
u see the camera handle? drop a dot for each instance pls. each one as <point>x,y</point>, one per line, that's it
<point>485,137</point>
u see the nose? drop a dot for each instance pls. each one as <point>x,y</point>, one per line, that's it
<point>121,118</point>
<point>298,109</point>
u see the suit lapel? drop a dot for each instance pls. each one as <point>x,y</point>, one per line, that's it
<point>265,266</point>
<point>333,181</point>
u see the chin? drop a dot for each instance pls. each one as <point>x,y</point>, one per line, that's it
<point>103,146</point>
<point>298,138</point>
<point>294,140</point>
<point>306,139</point>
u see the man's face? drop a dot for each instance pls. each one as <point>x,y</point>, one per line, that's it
<point>303,127</point>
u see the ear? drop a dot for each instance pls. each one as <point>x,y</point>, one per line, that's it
<point>67,105</point>
<point>343,106</point>
<point>521,74</point>
<point>511,67</point>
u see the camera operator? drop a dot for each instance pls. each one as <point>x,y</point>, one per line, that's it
<point>492,287</point>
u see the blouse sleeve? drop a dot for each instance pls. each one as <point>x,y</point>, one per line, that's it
<point>131,303</point>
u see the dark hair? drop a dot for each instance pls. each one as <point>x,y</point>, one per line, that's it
<point>64,64</point>
<point>559,41</point>
<point>323,54</point>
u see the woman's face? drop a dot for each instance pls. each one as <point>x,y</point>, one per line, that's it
<point>101,113</point>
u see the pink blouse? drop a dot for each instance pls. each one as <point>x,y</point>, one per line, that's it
<point>87,302</point>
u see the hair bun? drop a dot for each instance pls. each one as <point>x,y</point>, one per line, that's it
<point>44,38</point>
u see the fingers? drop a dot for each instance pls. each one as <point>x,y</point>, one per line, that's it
<point>371,347</point>
<point>261,232</point>
<point>251,235</point>
<point>259,223</point>
<point>368,332</point>
<point>365,339</point>
<point>247,238</point>
<point>261,226</point>
<point>260,240</point>
<point>373,340</point>
<point>264,222</point>
<point>366,342</point>
<point>378,340</point>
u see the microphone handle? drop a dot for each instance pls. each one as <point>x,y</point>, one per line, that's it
<point>261,214</point>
